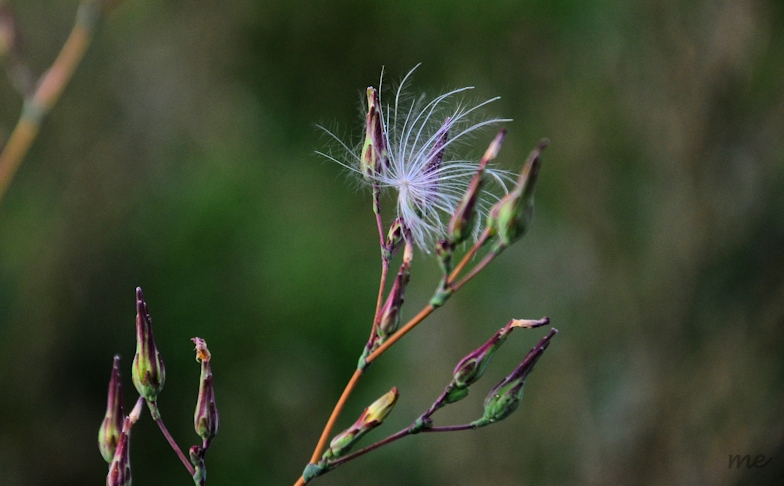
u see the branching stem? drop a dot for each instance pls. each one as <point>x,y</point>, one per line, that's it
<point>50,87</point>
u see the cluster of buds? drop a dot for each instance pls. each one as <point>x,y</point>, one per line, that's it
<point>408,155</point>
<point>148,374</point>
<point>472,367</point>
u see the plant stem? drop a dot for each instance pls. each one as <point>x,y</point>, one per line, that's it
<point>449,428</point>
<point>334,417</point>
<point>468,256</point>
<point>382,285</point>
<point>392,438</point>
<point>50,87</point>
<point>474,271</point>
<point>400,333</point>
<point>174,445</point>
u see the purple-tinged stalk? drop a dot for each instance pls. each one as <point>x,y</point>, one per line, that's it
<point>111,428</point>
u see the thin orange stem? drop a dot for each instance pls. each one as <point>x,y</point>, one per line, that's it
<point>468,256</point>
<point>474,271</point>
<point>50,87</point>
<point>300,482</point>
<point>402,332</point>
<point>334,417</point>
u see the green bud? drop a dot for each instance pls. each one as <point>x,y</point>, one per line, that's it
<point>505,397</point>
<point>205,418</point>
<point>196,455</point>
<point>511,217</point>
<point>148,372</point>
<point>462,222</point>
<point>444,252</point>
<point>472,367</point>
<point>371,417</point>
<point>454,393</point>
<point>120,467</point>
<point>375,153</point>
<point>394,237</point>
<point>111,427</point>
<point>389,320</point>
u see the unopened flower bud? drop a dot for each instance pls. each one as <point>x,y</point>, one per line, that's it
<point>111,427</point>
<point>371,417</point>
<point>394,237</point>
<point>473,366</point>
<point>205,418</point>
<point>148,372</point>
<point>374,152</point>
<point>389,320</point>
<point>462,222</point>
<point>196,455</point>
<point>505,397</point>
<point>120,467</point>
<point>511,217</point>
<point>444,252</point>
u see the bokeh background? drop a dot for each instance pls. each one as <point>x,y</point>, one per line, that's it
<point>181,159</point>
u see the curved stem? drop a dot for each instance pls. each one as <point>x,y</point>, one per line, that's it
<point>50,87</point>
<point>334,417</point>
<point>174,445</point>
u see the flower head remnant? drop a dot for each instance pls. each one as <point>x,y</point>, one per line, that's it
<point>408,149</point>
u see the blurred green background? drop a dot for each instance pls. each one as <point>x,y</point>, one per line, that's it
<point>181,159</point>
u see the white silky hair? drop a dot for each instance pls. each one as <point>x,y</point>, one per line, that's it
<point>427,193</point>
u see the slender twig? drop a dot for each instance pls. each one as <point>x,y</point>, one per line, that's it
<point>392,438</point>
<point>449,428</point>
<point>174,445</point>
<point>474,271</point>
<point>50,87</point>
<point>468,256</point>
